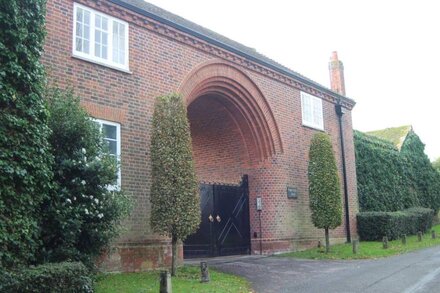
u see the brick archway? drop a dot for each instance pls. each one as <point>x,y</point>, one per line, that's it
<point>245,105</point>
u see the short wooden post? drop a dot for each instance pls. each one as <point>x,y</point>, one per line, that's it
<point>165,282</point>
<point>204,272</point>
<point>419,236</point>
<point>355,246</point>
<point>385,242</point>
<point>404,239</point>
<point>433,234</point>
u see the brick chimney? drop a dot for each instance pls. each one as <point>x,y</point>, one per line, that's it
<point>336,69</point>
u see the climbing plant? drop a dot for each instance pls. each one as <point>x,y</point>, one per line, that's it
<point>392,180</point>
<point>25,157</point>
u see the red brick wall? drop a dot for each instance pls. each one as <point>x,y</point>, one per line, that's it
<point>254,127</point>
<point>218,147</point>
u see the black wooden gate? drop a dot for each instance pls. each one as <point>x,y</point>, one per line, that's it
<point>224,229</point>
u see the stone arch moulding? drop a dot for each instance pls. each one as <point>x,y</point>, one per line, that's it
<point>243,100</point>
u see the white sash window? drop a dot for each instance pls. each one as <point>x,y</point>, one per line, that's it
<point>312,115</point>
<point>100,38</point>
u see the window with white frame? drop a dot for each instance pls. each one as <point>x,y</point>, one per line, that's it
<point>312,111</point>
<point>111,132</point>
<point>100,38</point>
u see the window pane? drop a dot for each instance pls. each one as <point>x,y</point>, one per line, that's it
<point>87,18</point>
<point>85,47</point>
<point>118,53</point>
<point>104,24</point>
<point>82,30</point>
<point>78,44</point>
<point>86,32</point>
<point>112,147</point>
<point>109,131</point>
<point>79,14</point>
<point>79,29</point>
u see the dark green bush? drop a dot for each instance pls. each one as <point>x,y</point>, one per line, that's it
<point>25,158</point>
<point>51,277</point>
<point>375,225</point>
<point>423,218</point>
<point>81,216</point>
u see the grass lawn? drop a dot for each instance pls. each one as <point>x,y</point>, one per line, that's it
<point>187,280</point>
<point>369,249</point>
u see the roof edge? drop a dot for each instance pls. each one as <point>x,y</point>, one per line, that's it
<point>233,50</point>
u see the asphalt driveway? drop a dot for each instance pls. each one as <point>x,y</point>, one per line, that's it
<point>412,272</point>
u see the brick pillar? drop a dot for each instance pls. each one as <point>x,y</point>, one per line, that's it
<point>336,69</point>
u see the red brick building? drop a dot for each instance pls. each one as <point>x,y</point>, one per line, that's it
<point>248,114</point>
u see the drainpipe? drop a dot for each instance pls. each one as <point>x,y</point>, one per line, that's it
<point>340,111</point>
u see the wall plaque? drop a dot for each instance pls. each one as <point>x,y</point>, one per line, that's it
<point>292,192</point>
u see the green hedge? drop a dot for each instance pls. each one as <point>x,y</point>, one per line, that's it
<point>375,225</point>
<point>52,277</point>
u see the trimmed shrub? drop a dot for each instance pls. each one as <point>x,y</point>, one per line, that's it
<point>324,187</point>
<point>175,207</point>
<point>375,225</point>
<point>423,217</point>
<point>51,277</point>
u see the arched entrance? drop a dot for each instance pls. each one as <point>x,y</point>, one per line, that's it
<point>233,131</point>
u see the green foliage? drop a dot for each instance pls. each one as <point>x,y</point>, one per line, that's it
<point>324,188</point>
<point>175,209</point>
<point>389,180</point>
<point>51,277</point>
<point>25,157</point>
<point>81,216</point>
<point>421,175</point>
<point>436,164</point>
<point>380,175</point>
<point>375,225</point>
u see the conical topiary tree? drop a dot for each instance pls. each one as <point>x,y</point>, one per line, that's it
<point>324,188</point>
<point>175,209</point>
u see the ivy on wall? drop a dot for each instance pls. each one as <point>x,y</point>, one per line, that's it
<point>392,180</point>
<point>25,158</point>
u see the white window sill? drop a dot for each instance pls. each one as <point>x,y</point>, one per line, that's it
<point>313,127</point>
<point>101,63</point>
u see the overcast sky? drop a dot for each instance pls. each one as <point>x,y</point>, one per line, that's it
<point>390,50</point>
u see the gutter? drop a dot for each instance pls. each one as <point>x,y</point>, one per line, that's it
<point>231,49</point>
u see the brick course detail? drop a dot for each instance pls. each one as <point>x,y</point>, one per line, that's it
<point>245,119</point>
